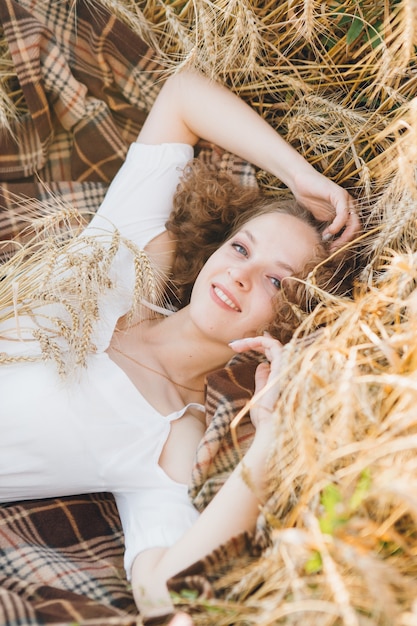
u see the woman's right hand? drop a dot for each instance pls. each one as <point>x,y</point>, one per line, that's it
<point>266,376</point>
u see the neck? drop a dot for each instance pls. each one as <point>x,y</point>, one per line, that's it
<point>185,351</point>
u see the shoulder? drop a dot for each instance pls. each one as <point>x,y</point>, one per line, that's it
<point>151,155</point>
<point>148,169</point>
<point>139,198</point>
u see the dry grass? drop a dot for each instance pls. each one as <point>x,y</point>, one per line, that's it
<point>338,79</point>
<point>51,273</point>
<point>342,507</point>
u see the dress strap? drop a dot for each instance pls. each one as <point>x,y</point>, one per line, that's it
<point>156,308</point>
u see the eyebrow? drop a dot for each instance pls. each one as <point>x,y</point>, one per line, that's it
<point>254,241</point>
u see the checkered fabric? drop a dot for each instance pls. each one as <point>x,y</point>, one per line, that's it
<point>88,82</point>
<point>61,560</point>
<point>228,391</point>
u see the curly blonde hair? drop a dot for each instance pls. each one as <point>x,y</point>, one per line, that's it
<point>209,207</point>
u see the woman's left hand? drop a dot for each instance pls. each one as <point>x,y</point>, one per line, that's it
<point>266,387</point>
<point>328,202</point>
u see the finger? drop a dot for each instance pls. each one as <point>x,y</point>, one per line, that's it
<point>269,347</point>
<point>266,390</point>
<point>261,376</point>
<point>336,225</point>
<point>353,228</point>
<point>346,217</point>
<point>343,208</point>
<point>260,343</point>
<point>340,220</point>
<point>266,374</point>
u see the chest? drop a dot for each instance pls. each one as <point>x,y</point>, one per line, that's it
<point>140,363</point>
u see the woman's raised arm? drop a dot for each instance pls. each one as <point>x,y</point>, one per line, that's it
<point>191,107</point>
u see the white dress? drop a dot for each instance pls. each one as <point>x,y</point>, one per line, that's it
<point>96,432</point>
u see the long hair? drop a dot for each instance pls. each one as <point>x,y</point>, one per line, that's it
<point>209,207</point>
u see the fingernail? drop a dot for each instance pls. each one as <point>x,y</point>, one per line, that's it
<point>327,237</point>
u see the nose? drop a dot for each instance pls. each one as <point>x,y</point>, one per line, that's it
<point>240,276</point>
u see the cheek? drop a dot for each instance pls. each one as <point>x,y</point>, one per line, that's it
<point>202,277</point>
<point>268,314</point>
<point>209,267</point>
<point>264,310</point>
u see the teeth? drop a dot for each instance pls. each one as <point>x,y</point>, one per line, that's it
<point>225,299</point>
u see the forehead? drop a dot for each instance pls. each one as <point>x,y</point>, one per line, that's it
<point>277,224</point>
<point>282,238</point>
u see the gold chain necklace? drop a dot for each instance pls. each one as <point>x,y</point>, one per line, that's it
<point>127,356</point>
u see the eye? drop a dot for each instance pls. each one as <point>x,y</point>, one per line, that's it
<point>275,281</point>
<point>239,248</point>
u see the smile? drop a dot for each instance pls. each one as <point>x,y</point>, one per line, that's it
<point>224,298</point>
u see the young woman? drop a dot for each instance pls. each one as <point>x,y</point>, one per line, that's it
<point>129,421</point>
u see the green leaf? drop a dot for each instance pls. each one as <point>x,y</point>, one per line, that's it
<point>332,516</point>
<point>314,564</point>
<point>354,31</point>
<point>329,43</point>
<point>330,497</point>
<point>361,490</point>
<point>189,594</point>
<point>376,34</point>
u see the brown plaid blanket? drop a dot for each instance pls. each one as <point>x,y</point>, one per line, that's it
<point>62,561</point>
<point>86,82</point>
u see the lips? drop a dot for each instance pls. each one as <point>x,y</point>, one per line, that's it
<point>226,298</point>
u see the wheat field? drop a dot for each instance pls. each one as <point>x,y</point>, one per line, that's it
<point>338,79</point>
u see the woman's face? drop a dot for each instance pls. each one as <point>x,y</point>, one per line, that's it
<point>233,294</point>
